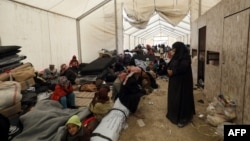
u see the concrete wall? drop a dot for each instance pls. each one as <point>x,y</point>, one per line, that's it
<point>227,32</point>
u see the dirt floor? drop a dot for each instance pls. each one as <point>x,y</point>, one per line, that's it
<point>158,128</point>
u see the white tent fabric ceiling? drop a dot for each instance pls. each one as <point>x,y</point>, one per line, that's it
<point>158,24</point>
<point>141,12</point>
<point>62,28</point>
<point>165,17</point>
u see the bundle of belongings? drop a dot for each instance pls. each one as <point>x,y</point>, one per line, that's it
<point>9,57</point>
<point>14,77</point>
<point>24,74</point>
<point>10,98</point>
<point>221,109</point>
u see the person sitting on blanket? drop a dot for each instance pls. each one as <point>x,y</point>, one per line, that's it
<point>74,130</point>
<point>131,91</point>
<point>50,75</point>
<point>69,73</point>
<point>100,104</point>
<point>74,64</point>
<point>64,93</point>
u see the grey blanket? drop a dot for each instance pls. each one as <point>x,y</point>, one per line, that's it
<point>46,121</point>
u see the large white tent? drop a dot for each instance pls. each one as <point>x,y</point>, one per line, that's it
<point>52,31</point>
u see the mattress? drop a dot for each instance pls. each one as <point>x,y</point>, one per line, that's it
<point>12,59</point>
<point>9,50</point>
<point>97,66</point>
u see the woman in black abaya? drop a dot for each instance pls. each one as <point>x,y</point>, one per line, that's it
<point>180,87</point>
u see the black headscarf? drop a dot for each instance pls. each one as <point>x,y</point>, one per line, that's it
<point>181,51</point>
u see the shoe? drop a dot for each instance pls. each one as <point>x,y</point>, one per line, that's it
<point>180,125</point>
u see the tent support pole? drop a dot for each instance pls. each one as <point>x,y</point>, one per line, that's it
<point>116,32</point>
<point>79,49</point>
<point>93,9</point>
<point>78,26</point>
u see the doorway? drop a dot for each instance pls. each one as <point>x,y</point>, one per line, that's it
<point>201,56</point>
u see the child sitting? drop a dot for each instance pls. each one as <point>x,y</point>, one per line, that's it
<point>64,93</point>
<point>100,104</point>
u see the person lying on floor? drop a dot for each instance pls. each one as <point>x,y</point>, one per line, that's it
<point>63,93</point>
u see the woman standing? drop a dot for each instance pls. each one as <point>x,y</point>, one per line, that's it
<point>180,87</point>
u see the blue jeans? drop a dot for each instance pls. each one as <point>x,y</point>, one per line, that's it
<point>68,100</point>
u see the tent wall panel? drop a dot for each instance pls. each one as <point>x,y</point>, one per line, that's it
<point>63,39</point>
<point>126,42</point>
<point>229,36</point>
<point>171,41</point>
<point>98,32</point>
<point>150,41</point>
<point>132,42</point>
<point>32,29</point>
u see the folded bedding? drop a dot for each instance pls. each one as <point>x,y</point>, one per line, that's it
<point>9,50</point>
<point>9,60</point>
<point>9,67</point>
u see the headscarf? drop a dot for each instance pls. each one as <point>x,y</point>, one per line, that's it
<point>181,51</point>
<point>63,81</point>
<point>74,120</point>
<point>101,96</point>
<point>63,66</point>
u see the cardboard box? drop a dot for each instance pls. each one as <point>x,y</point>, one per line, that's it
<point>27,83</point>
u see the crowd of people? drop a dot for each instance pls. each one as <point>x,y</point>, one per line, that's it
<point>130,84</point>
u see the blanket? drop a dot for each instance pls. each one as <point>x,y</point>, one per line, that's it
<point>46,121</point>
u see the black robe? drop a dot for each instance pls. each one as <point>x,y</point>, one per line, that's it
<point>181,106</point>
<point>130,94</point>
